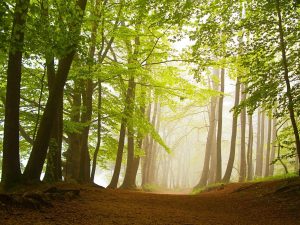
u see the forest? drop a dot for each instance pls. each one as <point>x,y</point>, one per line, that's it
<point>127,97</point>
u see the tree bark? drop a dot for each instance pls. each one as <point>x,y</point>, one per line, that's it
<point>268,151</point>
<point>99,127</point>
<point>287,81</point>
<point>11,172</point>
<point>220,124</point>
<point>128,182</point>
<point>230,163</point>
<point>250,150</point>
<point>115,178</point>
<point>258,140</point>
<point>209,143</point>
<point>274,137</point>
<point>39,150</point>
<point>73,153</point>
<point>259,154</point>
<point>243,166</point>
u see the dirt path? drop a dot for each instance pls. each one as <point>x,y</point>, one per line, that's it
<point>232,205</point>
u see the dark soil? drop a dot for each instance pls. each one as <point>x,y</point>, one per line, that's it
<point>274,203</point>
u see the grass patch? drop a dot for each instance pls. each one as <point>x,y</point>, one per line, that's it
<point>211,187</point>
<point>276,177</point>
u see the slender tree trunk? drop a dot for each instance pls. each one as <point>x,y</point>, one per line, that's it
<point>273,145</point>
<point>209,143</point>
<point>116,174</point>
<point>229,168</point>
<point>11,172</point>
<point>250,150</point>
<point>259,155</point>
<point>153,167</point>
<point>268,151</point>
<point>129,173</point>
<point>213,160</point>
<point>220,124</point>
<point>99,127</point>
<point>243,166</point>
<point>287,80</point>
<point>146,148</point>
<point>150,151</point>
<point>137,158</point>
<point>39,150</point>
<point>258,141</point>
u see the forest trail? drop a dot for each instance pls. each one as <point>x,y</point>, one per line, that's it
<point>253,203</point>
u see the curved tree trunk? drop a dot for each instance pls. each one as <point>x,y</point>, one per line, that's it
<point>287,81</point>
<point>38,154</point>
<point>98,131</point>
<point>230,163</point>
<point>116,174</point>
<point>209,143</point>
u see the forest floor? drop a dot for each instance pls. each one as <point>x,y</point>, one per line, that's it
<point>273,202</point>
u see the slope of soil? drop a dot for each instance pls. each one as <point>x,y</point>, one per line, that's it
<point>275,202</point>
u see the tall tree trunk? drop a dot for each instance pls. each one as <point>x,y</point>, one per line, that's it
<point>86,116</point>
<point>268,151</point>
<point>209,143</point>
<point>259,154</point>
<point>129,173</point>
<point>230,163</point>
<point>54,165</point>
<point>116,174</point>
<point>150,153</point>
<point>274,145</point>
<point>11,172</point>
<point>243,166</point>
<point>287,80</point>
<point>73,153</point>
<point>258,141</point>
<point>213,160</point>
<point>137,158</point>
<point>153,165</point>
<point>39,150</point>
<point>99,127</point>
<point>220,124</point>
<point>146,143</point>
<point>250,150</point>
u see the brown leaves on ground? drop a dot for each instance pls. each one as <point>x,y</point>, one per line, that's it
<point>274,203</point>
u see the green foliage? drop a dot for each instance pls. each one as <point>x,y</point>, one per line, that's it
<point>276,177</point>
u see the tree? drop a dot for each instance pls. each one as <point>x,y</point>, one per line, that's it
<point>268,150</point>
<point>39,150</point>
<point>209,143</point>
<point>11,172</point>
<point>243,165</point>
<point>220,123</point>
<point>250,149</point>
<point>227,175</point>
